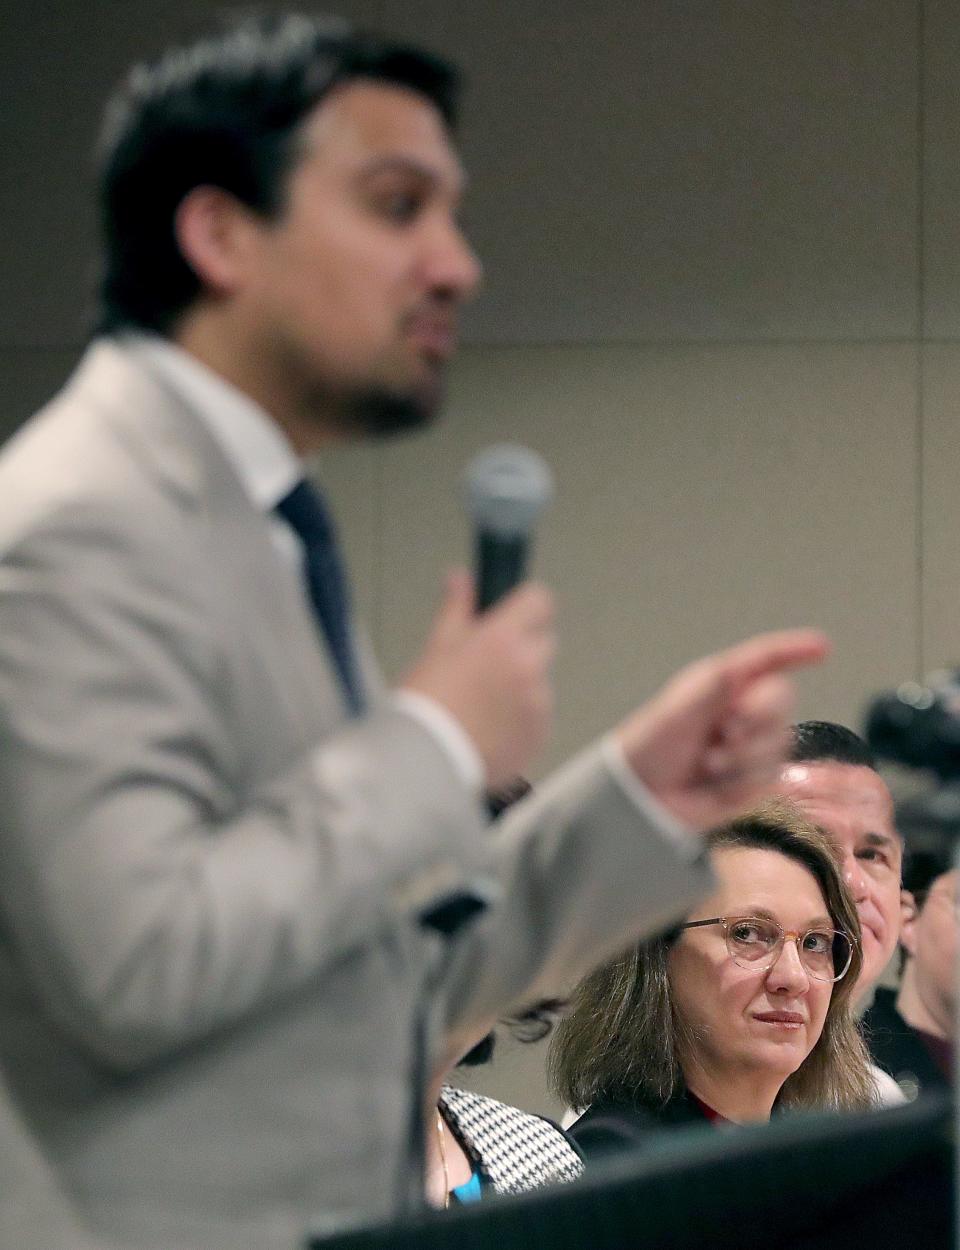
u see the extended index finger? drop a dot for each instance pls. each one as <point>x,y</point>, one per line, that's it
<point>775,652</point>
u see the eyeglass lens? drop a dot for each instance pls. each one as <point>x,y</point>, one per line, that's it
<point>824,953</point>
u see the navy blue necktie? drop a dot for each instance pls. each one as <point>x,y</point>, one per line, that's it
<point>306,513</point>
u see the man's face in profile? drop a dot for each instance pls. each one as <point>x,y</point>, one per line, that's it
<point>853,805</point>
<point>930,938</point>
<point>355,287</point>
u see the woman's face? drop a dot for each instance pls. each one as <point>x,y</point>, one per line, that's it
<point>764,1019</point>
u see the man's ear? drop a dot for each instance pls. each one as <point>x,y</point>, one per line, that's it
<point>908,915</point>
<point>212,229</point>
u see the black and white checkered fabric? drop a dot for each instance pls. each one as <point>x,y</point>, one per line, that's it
<point>513,1150</point>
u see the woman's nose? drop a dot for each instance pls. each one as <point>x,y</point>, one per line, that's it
<point>788,971</point>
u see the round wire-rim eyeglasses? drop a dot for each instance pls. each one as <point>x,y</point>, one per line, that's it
<point>825,953</point>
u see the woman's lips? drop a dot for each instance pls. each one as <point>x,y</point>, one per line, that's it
<point>781,1019</point>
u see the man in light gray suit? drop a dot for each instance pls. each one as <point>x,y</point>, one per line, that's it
<point>221,836</point>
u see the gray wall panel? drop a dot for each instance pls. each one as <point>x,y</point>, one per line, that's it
<point>941,506</point>
<point>702,493</point>
<point>28,379</point>
<point>701,170</point>
<point>941,169</point>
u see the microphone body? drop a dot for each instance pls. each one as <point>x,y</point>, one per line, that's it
<point>501,564</point>
<point>507,487</point>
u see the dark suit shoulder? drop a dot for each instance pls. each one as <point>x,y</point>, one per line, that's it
<point>609,1128</point>
<point>898,1048</point>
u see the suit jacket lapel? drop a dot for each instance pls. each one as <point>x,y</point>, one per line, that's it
<point>173,446</point>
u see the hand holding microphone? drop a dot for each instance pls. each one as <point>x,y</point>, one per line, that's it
<point>487,660</point>
<point>707,745</point>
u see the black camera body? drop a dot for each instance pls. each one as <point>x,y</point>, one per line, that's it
<point>919,725</point>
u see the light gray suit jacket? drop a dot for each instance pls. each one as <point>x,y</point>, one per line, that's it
<point>209,937</point>
<point>33,1213</point>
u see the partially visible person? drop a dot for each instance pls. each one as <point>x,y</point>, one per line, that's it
<point>477,1144</point>
<point>744,1009</point>
<point>911,1031</point>
<point>831,776</point>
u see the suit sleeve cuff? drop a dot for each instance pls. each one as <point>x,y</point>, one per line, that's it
<point>448,733</point>
<point>682,838</point>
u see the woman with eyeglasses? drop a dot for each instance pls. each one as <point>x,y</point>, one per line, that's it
<point>743,1010</point>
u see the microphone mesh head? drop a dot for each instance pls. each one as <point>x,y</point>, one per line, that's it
<point>507,487</point>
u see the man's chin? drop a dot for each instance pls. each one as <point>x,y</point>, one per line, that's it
<point>388,414</point>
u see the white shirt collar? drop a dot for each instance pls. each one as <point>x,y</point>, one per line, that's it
<point>255,446</point>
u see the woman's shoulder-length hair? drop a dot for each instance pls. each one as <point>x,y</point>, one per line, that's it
<point>621,1040</point>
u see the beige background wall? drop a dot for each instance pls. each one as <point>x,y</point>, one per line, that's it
<point>722,242</point>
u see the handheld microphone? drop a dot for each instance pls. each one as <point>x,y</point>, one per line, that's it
<point>507,487</point>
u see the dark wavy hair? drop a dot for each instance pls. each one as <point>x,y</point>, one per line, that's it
<point>623,1041</point>
<point>226,112</point>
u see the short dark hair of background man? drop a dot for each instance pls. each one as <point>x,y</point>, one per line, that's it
<point>821,741</point>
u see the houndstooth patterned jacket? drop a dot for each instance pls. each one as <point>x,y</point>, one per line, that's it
<point>511,1149</point>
